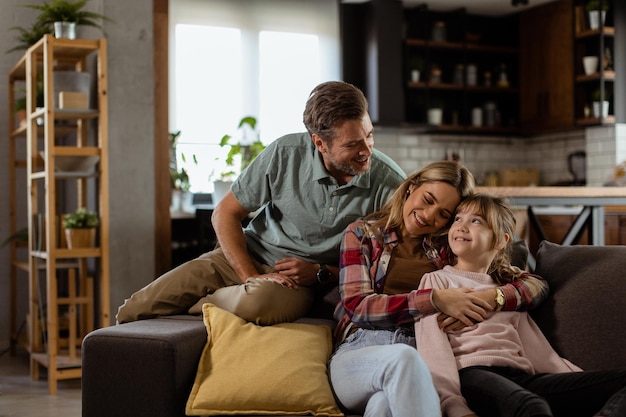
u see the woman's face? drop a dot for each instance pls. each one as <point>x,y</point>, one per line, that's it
<point>429,207</point>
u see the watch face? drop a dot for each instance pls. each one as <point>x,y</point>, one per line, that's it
<point>323,275</point>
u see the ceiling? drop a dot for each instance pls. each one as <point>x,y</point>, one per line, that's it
<point>480,7</point>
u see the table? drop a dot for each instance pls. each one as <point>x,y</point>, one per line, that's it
<point>592,201</point>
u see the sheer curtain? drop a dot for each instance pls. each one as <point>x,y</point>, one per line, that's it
<point>233,58</point>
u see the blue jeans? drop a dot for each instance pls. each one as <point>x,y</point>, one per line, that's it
<point>378,373</point>
<point>507,392</point>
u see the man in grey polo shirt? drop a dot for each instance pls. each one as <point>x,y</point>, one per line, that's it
<point>306,187</point>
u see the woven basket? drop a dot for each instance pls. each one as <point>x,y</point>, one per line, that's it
<point>80,238</point>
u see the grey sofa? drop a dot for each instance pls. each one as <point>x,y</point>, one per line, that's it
<point>147,368</point>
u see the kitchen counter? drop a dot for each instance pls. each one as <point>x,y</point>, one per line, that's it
<point>592,202</point>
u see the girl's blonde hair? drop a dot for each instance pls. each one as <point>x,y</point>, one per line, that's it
<point>500,218</point>
<point>450,172</point>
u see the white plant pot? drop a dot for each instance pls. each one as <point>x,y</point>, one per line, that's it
<point>220,188</point>
<point>594,19</point>
<point>435,116</point>
<point>600,111</point>
<point>590,64</point>
<point>415,76</point>
<point>65,30</point>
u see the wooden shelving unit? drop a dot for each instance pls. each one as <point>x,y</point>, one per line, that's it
<point>599,85</point>
<point>68,289</point>
<point>469,41</point>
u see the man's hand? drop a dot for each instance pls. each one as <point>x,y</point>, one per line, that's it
<point>298,271</point>
<point>462,305</point>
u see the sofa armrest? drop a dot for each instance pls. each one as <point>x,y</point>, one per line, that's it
<point>143,368</point>
<point>584,316</point>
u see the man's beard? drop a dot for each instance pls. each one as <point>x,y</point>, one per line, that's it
<point>348,168</point>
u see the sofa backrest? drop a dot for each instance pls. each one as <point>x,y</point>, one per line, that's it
<point>585,315</point>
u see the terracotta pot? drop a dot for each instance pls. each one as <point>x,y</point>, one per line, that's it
<point>80,238</point>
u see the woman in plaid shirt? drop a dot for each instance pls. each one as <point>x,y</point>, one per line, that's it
<point>376,370</point>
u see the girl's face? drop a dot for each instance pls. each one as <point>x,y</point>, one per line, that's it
<point>429,207</point>
<point>472,241</point>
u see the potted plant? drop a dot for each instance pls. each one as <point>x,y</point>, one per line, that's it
<point>80,228</point>
<point>247,148</point>
<point>179,178</point>
<point>27,37</point>
<point>596,10</point>
<point>65,16</point>
<point>600,108</point>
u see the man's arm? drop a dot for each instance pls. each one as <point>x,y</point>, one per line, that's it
<point>226,221</point>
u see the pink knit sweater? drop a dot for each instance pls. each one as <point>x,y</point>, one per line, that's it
<point>510,339</point>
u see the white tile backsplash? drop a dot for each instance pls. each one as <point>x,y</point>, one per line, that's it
<point>605,147</point>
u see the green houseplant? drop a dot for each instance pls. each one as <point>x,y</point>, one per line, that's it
<point>596,11</point>
<point>27,37</point>
<point>80,228</point>
<point>65,16</point>
<point>247,148</point>
<point>596,5</point>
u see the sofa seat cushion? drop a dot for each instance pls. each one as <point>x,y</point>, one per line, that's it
<point>264,370</point>
<point>585,281</point>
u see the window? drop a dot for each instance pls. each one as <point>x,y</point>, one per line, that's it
<point>233,58</point>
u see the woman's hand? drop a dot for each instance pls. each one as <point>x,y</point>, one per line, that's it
<point>462,305</point>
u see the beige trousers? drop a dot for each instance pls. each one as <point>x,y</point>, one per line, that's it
<point>210,279</point>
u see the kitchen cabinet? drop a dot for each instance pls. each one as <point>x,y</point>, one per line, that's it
<point>61,153</point>
<point>546,72</point>
<point>594,43</point>
<point>467,67</point>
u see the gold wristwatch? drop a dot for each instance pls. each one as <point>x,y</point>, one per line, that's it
<point>500,300</point>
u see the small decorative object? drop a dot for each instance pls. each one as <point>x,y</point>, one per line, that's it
<point>435,116</point>
<point>439,32</point>
<point>64,16</point>
<point>472,74</point>
<point>590,64</point>
<point>490,112</point>
<point>503,81</point>
<point>596,10</point>
<point>608,59</point>
<point>80,228</point>
<point>416,66</point>
<point>487,77</point>
<point>458,74</point>
<point>477,117</point>
<point>435,74</point>
<point>600,105</point>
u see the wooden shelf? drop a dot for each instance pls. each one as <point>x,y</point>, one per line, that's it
<point>61,294</point>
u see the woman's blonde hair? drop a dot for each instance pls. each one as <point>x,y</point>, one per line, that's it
<point>500,218</point>
<point>450,172</point>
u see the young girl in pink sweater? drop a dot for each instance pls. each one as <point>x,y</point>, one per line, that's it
<point>503,366</point>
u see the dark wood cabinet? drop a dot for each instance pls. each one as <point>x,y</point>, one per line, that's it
<point>540,50</point>
<point>546,72</point>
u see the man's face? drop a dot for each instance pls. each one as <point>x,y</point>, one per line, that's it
<point>350,152</point>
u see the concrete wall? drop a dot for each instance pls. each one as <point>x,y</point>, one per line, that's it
<point>131,146</point>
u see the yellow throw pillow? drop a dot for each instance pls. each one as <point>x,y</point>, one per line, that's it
<point>271,370</point>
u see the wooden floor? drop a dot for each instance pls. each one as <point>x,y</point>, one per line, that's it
<point>20,396</point>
